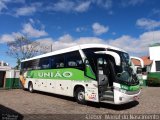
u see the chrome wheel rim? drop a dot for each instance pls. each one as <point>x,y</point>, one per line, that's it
<point>81,96</point>
<point>30,88</point>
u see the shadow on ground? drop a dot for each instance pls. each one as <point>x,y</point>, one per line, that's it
<point>96,105</point>
<point>9,114</point>
<point>114,107</point>
<point>56,95</point>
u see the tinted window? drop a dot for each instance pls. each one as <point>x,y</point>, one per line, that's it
<point>73,59</point>
<point>91,56</point>
<point>58,61</point>
<point>44,63</point>
<point>124,56</point>
<point>70,60</point>
<point>30,65</point>
<point>52,62</point>
<point>35,64</point>
<point>157,65</point>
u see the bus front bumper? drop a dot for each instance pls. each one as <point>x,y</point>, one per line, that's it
<point>121,97</point>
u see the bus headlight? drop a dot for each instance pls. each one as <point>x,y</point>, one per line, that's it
<point>122,90</point>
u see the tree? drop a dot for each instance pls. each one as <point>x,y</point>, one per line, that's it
<point>22,48</point>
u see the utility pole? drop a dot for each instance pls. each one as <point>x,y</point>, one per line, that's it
<point>51,47</point>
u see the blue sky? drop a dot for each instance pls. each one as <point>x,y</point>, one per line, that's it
<point>129,24</point>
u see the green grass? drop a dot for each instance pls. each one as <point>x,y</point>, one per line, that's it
<point>153,79</point>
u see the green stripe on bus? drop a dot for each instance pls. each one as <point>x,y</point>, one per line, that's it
<point>90,73</point>
<point>130,88</point>
<point>61,74</point>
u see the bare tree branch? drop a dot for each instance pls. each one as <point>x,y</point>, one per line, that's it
<point>23,48</point>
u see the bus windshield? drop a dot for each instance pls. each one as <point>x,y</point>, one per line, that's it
<point>125,72</point>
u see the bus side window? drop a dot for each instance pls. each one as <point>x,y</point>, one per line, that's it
<point>44,63</point>
<point>52,63</point>
<point>73,59</point>
<point>29,65</point>
<point>59,61</point>
<point>72,64</point>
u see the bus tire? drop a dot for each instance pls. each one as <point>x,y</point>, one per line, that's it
<point>30,87</point>
<point>80,95</point>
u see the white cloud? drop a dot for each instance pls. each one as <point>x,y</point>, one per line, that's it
<point>78,6</point>
<point>114,33</point>
<point>67,38</point>
<point>3,3</point>
<point>156,12</point>
<point>125,42</point>
<point>80,29</point>
<point>126,3</point>
<point>2,6</point>
<point>107,4</point>
<point>150,37</point>
<point>45,45</point>
<point>99,29</point>
<point>32,32</point>
<point>6,38</point>
<point>23,8</point>
<point>25,11</point>
<point>87,40</point>
<point>135,2</point>
<point>28,30</point>
<point>31,21</point>
<point>48,44</point>
<point>28,10</point>
<point>137,46</point>
<point>45,41</point>
<point>70,41</point>
<point>110,12</point>
<point>67,41</point>
<point>9,37</point>
<point>147,24</point>
<point>82,7</point>
<point>4,9</point>
<point>18,1</point>
<point>13,1</point>
<point>62,6</point>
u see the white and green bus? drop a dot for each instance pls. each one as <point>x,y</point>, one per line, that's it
<point>88,72</point>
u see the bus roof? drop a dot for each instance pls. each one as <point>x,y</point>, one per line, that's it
<point>70,49</point>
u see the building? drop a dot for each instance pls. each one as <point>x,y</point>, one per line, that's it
<point>154,74</point>
<point>147,63</point>
<point>154,51</point>
<point>3,68</point>
<point>143,66</point>
<point>9,78</point>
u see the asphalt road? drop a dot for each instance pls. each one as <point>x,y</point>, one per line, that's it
<point>43,105</point>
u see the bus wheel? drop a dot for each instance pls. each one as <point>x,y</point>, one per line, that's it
<point>80,95</point>
<point>30,87</point>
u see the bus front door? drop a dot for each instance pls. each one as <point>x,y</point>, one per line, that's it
<point>104,80</point>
